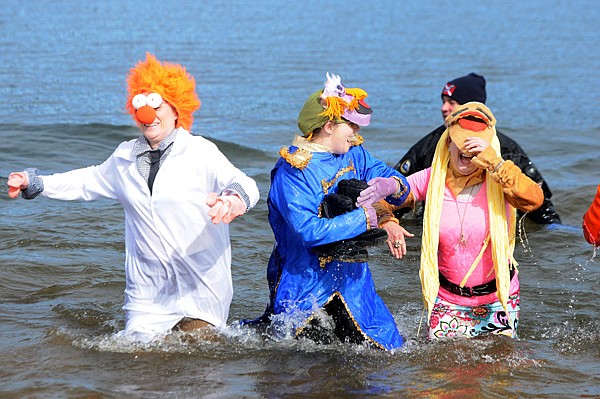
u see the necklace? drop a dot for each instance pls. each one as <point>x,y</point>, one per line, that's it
<point>463,241</point>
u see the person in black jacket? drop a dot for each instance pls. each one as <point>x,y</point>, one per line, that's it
<point>460,91</point>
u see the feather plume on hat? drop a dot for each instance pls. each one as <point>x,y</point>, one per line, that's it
<point>338,99</point>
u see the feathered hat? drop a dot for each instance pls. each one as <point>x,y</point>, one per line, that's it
<point>170,82</point>
<point>334,103</point>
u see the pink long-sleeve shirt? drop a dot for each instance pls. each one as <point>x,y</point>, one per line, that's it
<point>469,210</point>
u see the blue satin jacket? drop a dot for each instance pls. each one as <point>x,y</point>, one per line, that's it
<point>298,282</point>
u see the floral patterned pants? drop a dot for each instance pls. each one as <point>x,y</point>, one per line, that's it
<point>451,320</point>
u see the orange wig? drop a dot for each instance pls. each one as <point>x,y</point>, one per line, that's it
<point>171,81</point>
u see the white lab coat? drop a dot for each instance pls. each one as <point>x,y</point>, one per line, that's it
<point>178,263</point>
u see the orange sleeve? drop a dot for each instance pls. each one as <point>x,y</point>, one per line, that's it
<point>385,210</point>
<point>520,191</point>
<point>591,221</point>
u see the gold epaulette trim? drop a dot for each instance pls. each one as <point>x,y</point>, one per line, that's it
<point>299,159</point>
<point>359,140</point>
<point>402,190</point>
<point>324,260</point>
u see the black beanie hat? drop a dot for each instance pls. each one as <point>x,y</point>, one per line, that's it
<point>466,89</point>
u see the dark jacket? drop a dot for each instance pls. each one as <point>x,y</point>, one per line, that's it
<point>420,156</point>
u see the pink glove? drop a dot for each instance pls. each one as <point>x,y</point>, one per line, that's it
<point>17,181</point>
<point>372,215</point>
<point>225,207</point>
<point>379,188</point>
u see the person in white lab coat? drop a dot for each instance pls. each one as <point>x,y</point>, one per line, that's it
<point>179,193</point>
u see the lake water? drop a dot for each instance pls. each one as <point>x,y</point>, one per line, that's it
<point>62,74</point>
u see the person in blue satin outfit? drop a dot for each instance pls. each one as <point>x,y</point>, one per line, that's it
<point>303,281</point>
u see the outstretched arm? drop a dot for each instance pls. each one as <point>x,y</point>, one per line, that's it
<point>26,183</point>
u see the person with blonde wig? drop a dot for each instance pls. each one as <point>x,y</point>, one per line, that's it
<point>468,274</point>
<point>179,193</point>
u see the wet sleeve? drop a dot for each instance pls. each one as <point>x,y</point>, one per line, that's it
<point>296,196</point>
<point>98,181</point>
<point>591,221</point>
<point>520,191</point>
<point>511,150</point>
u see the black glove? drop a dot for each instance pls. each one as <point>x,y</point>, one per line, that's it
<point>353,249</point>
